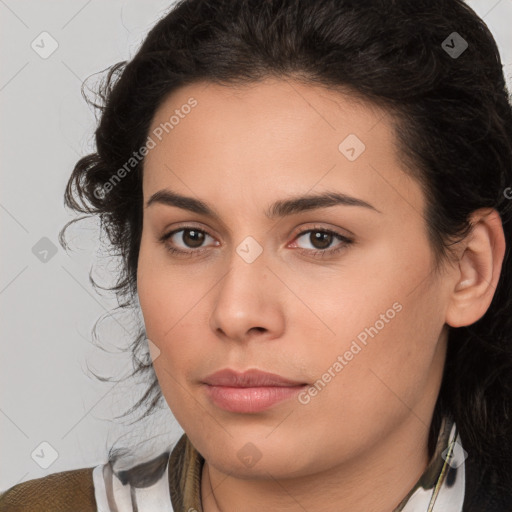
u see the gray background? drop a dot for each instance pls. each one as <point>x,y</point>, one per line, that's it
<point>49,307</point>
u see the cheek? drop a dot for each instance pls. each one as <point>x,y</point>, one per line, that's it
<point>168,316</point>
<point>166,293</point>
<point>173,318</point>
<point>374,387</point>
<point>387,358</point>
<point>388,321</point>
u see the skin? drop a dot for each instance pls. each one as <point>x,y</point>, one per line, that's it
<point>360,444</point>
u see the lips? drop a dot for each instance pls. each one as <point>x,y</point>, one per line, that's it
<point>248,379</point>
<point>251,391</point>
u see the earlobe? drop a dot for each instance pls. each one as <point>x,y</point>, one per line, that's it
<point>479,269</point>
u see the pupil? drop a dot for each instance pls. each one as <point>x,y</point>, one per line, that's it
<point>323,238</point>
<point>198,237</point>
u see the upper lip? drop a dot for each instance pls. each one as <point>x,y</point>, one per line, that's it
<point>247,379</point>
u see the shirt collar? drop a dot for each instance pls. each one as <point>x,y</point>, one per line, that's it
<point>442,485</point>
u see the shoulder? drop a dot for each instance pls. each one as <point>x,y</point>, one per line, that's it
<point>60,492</point>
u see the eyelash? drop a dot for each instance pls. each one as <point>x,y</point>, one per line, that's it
<point>316,253</point>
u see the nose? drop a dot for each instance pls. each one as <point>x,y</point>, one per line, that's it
<point>248,302</point>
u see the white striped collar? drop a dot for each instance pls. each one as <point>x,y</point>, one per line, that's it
<point>449,489</point>
<point>112,496</point>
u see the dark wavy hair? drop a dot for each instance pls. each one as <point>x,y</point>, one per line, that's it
<point>453,122</point>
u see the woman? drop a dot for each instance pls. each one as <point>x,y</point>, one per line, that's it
<point>312,202</point>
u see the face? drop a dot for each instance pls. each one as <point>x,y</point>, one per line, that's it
<point>338,297</point>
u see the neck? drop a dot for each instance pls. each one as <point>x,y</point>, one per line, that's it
<point>374,482</point>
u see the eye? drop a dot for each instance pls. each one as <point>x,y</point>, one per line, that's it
<point>193,239</point>
<point>190,236</point>
<point>321,239</point>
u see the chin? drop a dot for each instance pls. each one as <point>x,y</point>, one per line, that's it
<point>256,457</point>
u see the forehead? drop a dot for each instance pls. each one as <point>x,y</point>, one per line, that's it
<point>281,108</point>
<point>274,135</point>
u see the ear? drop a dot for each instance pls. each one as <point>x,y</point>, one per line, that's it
<point>479,268</point>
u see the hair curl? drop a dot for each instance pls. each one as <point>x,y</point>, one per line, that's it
<point>453,125</point>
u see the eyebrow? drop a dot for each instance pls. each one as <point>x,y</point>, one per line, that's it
<point>281,208</point>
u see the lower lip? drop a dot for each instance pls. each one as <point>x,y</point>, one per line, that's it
<point>250,399</point>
